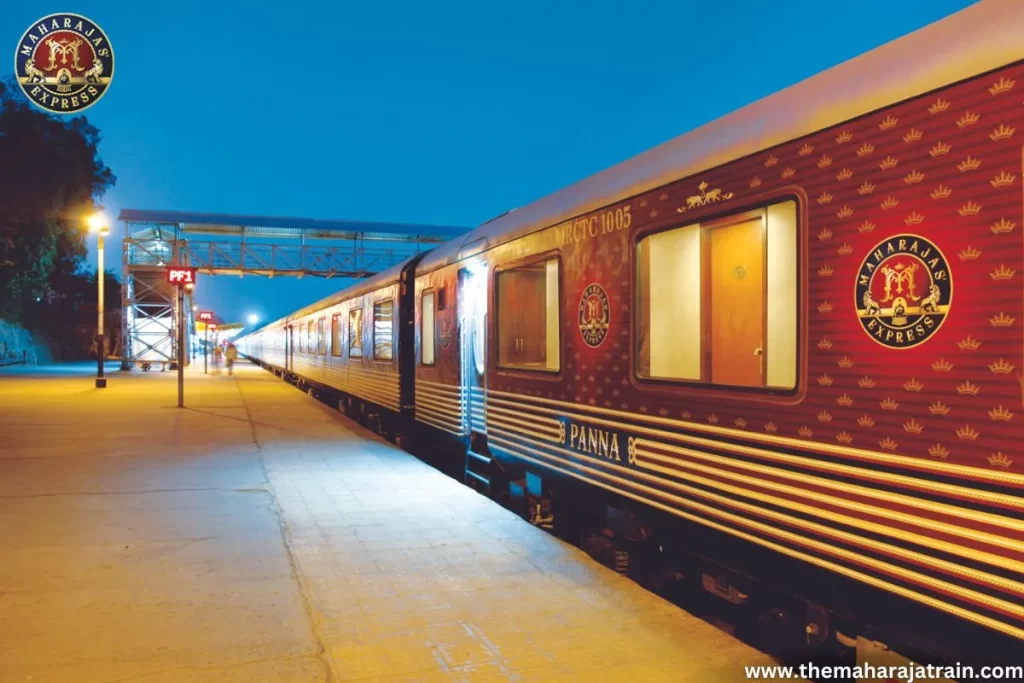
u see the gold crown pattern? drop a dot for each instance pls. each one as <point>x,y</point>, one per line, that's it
<point>1003,132</point>
<point>971,208</point>
<point>685,415</point>
<point>825,234</point>
<point>1004,84</point>
<point>941,192</point>
<point>969,254</point>
<point>865,188</point>
<point>825,161</point>
<point>967,388</point>
<point>771,427</point>
<point>755,182</point>
<point>1002,320</point>
<point>1000,414</point>
<point>938,451</point>
<point>1002,272</point>
<point>865,421</point>
<point>888,122</point>
<point>844,250</point>
<point>654,213</point>
<point>805,431</point>
<point>1003,226</point>
<point>845,212</point>
<point>865,149</point>
<point>713,419</point>
<point>913,385</point>
<point>913,219</point>
<point>825,343</point>
<point>887,444</point>
<point>940,105</point>
<point>663,196</point>
<point>825,271</point>
<point>888,162</point>
<point>1003,179</point>
<point>968,343</point>
<point>968,433</point>
<point>968,119</point>
<point>845,400</point>
<point>788,172</point>
<point>938,408</point>
<point>866,382</point>
<point>939,148</point>
<point>824,416</point>
<point>1000,460</point>
<point>889,202</point>
<point>824,198</point>
<point>845,362</point>
<point>1000,367</point>
<point>825,380</point>
<point>740,422</point>
<point>913,135</point>
<point>913,427</point>
<point>844,437</point>
<point>844,137</point>
<point>942,365</point>
<point>825,307</point>
<point>968,164</point>
<point>845,174</point>
<point>914,176</point>
<point>866,226</point>
<point>771,161</point>
<point>888,404</point>
<point>806,149</point>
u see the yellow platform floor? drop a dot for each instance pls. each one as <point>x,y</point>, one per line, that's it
<point>257,535</point>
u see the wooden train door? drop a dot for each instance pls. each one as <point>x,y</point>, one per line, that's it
<point>737,305</point>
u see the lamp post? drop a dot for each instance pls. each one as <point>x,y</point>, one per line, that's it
<point>98,224</point>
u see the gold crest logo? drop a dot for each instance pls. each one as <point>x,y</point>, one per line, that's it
<point>594,315</point>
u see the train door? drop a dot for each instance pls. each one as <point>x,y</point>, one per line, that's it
<point>472,310</point>
<point>289,349</point>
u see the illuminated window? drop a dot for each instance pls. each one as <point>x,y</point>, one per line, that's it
<point>355,333</point>
<point>427,328</point>
<point>297,335</point>
<point>336,334</point>
<point>718,301</point>
<point>310,341</point>
<point>321,337</point>
<point>527,317</point>
<point>383,329</point>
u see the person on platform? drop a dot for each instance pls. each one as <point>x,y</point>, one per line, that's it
<point>231,354</point>
<point>218,351</point>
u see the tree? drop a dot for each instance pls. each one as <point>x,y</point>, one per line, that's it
<point>50,177</point>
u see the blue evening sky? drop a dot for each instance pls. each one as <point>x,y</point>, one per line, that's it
<point>430,112</point>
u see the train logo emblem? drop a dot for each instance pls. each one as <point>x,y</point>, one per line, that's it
<point>904,291</point>
<point>64,63</point>
<point>446,334</point>
<point>594,315</point>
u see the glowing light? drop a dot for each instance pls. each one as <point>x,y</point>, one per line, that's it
<point>98,223</point>
<point>253,318</point>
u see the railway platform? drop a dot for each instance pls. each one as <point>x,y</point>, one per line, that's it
<point>258,535</point>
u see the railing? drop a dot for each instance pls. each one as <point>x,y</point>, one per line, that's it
<point>12,359</point>
<point>276,259</point>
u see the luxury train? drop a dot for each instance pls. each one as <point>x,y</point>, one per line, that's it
<point>778,359</point>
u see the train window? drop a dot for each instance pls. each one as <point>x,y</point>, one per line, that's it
<point>718,301</point>
<point>355,333</point>
<point>310,341</point>
<point>336,334</point>
<point>527,317</point>
<point>427,328</point>
<point>383,329</point>
<point>321,337</point>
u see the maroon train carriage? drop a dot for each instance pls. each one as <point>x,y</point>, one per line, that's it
<point>780,356</point>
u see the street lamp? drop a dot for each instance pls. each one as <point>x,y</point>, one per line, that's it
<point>253,318</point>
<point>98,224</point>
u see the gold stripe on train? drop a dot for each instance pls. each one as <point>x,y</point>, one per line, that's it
<point>438,425</point>
<point>526,430</point>
<point>850,572</point>
<point>993,476</point>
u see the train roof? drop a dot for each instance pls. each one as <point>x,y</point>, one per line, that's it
<point>980,38</point>
<point>381,279</point>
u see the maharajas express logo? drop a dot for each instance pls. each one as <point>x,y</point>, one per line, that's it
<point>904,291</point>
<point>594,315</point>
<point>64,63</point>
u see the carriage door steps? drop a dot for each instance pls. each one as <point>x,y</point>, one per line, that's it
<point>478,471</point>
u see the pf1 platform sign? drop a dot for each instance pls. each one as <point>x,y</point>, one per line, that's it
<point>181,275</point>
<point>206,316</point>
